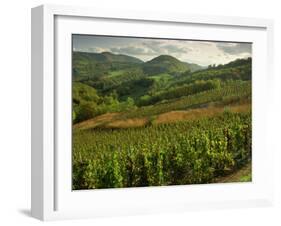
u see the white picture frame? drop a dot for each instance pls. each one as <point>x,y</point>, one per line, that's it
<point>52,197</point>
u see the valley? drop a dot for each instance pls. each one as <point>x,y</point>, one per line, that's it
<point>159,122</point>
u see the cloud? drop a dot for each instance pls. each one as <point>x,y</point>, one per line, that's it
<point>203,53</point>
<point>235,48</point>
<point>132,50</point>
<point>154,45</point>
<point>166,47</point>
<point>201,43</point>
<point>96,49</point>
<point>176,49</point>
<point>91,49</point>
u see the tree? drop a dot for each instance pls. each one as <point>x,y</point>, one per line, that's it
<point>86,111</point>
<point>130,102</point>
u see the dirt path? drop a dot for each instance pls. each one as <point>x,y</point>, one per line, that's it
<point>112,120</point>
<point>242,175</point>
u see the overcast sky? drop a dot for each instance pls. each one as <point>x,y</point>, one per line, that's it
<point>199,52</point>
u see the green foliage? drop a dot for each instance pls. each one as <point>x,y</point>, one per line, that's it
<point>85,100</point>
<point>135,88</point>
<point>95,65</point>
<point>246,178</point>
<point>231,92</point>
<point>240,69</point>
<point>130,77</point>
<point>82,92</point>
<point>85,111</point>
<point>185,90</point>
<point>88,104</point>
<point>168,154</point>
<point>116,79</point>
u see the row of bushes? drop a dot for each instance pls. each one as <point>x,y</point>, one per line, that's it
<point>196,87</point>
<point>165,156</point>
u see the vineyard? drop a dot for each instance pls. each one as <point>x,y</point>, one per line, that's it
<point>160,122</point>
<point>189,152</point>
<point>230,93</point>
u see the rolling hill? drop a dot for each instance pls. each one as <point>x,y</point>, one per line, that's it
<point>94,65</point>
<point>105,57</point>
<point>165,64</point>
<point>160,79</point>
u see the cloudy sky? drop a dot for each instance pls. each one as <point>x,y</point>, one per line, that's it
<point>199,52</point>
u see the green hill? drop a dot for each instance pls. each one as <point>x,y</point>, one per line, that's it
<point>94,65</point>
<point>105,57</point>
<point>160,79</point>
<point>165,64</point>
